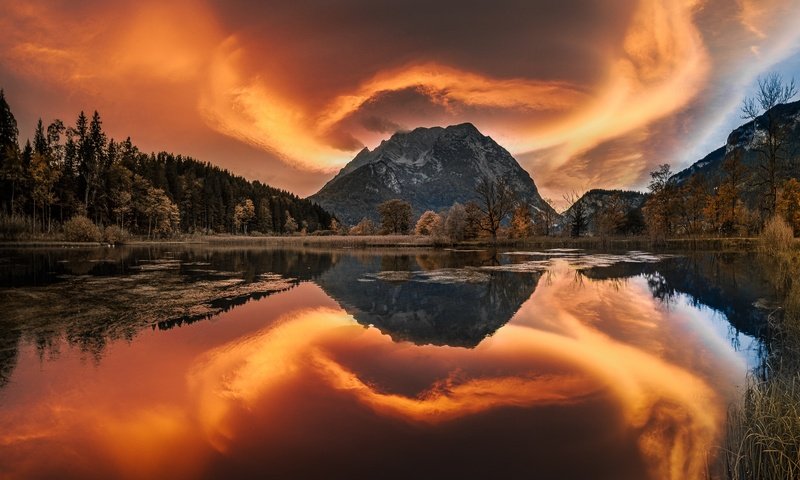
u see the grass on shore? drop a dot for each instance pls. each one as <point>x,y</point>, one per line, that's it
<point>763,437</point>
<point>419,241</point>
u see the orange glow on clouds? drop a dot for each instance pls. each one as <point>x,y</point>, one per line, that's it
<point>239,82</point>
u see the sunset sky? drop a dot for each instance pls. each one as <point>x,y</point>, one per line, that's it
<point>584,93</point>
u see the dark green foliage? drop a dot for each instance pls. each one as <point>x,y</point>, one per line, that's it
<point>10,166</point>
<point>113,183</point>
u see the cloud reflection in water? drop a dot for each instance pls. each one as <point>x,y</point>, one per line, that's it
<point>569,342</point>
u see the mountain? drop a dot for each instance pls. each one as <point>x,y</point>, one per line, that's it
<point>740,141</point>
<point>596,200</point>
<point>431,168</point>
<point>444,306</point>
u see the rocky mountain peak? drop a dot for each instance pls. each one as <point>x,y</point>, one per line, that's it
<point>430,167</point>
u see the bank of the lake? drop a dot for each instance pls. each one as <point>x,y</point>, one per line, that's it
<point>763,435</point>
<point>524,354</point>
<point>708,243</point>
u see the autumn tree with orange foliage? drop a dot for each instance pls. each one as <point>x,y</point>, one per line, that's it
<point>429,223</point>
<point>521,221</point>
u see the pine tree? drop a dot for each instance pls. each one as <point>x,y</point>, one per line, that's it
<point>264,222</point>
<point>9,150</point>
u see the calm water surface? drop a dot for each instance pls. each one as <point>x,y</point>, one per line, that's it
<point>225,363</point>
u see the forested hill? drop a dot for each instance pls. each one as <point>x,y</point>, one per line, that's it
<point>207,197</point>
<point>76,170</point>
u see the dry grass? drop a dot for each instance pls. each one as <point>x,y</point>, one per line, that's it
<point>333,241</point>
<point>763,438</point>
<point>764,432</point>
<point>373,241</point>
<point>777,237</point>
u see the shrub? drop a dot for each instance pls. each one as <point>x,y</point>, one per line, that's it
<point>114,235</point>
<point>81,229</point>
<point>776,237</point>
<point>364,227</point>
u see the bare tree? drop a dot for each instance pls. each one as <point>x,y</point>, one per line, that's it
<point>772,146</point>
<point>455,225</point>
<point>693,199</point>
<point>496,201</point>
<point>729,191</point>
<point>474,219</point>
<point>545,218</point>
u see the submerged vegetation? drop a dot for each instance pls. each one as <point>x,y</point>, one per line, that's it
<point>763,438</point>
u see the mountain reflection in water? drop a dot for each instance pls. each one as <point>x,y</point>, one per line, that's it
<point>394,365</point>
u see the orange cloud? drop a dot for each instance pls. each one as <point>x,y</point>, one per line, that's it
<point>297,96</point>
<point>607,338</point>
<point>662,66</point>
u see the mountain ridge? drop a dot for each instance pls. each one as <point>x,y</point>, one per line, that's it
<point>430,167</point>
<point>740,140</point>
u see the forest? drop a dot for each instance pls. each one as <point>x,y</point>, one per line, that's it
<point>74,178</point>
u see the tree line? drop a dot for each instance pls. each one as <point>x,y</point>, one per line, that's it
<point>741,200</point>
<point>77,171</point>
<point>744,197</point>
<point>484,217</point>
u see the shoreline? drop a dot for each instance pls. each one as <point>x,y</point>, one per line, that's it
<point>414,241</point>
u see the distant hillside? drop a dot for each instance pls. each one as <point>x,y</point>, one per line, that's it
<point>76,170</point>
<point>207,196</point>
<point>596,200</point>
<point>740,141</point>
<point>431,168</point>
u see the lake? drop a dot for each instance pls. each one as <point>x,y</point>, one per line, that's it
<point>199,362</point>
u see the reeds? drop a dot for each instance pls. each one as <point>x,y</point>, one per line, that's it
<point>763,430</point>
<point>777,236</point>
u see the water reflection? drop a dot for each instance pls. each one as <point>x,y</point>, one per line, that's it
<point>426,301</point>
<point>586,373</point>
<point>737,285</point>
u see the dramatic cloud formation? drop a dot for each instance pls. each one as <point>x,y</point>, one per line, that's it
<point>584,93</point>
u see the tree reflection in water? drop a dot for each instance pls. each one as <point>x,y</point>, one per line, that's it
<point>588,355</point>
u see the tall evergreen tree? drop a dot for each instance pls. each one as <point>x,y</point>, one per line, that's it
<point>9,151</point>
<point>83,172</point>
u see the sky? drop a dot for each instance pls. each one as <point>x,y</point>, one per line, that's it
<point>584,93</point>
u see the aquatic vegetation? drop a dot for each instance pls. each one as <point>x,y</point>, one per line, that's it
<point>763,438</point>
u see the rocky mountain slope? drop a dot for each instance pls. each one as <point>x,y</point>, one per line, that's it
<point>431,168</point>
<point>741,142</point>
